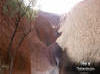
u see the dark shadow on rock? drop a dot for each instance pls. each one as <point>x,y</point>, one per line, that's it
<point>66,66</point>
<point>56,53</point>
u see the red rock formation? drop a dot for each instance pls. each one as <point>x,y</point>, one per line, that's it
<point>45,31</point>
<point>53,19</point>
<point>29,50</point>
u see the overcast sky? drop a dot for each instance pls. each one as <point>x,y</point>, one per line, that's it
<point>56,6</point>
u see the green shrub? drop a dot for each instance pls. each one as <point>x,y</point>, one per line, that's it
<point>14,7</point>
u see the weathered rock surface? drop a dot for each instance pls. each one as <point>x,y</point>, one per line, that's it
<point>80,36</point>
<point>44,27</point>
<point>29,46</point>
<point>54,19</point>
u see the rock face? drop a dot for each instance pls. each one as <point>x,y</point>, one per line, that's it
<point>29,46</point>
<point>54,19</point>
<point>44,27</point>
<point>81,33</point>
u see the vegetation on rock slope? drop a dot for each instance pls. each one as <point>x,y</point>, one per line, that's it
<point>14,7</point>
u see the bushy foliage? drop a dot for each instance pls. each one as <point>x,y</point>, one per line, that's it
<point>13,7</point>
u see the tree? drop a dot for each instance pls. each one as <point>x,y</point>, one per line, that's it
<point>17,9</point>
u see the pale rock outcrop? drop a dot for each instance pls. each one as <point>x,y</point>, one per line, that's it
<point>81,32</point>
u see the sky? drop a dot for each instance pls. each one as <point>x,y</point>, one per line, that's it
<point>55,6</point>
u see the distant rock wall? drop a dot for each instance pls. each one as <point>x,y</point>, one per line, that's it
<point>44,30</point>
